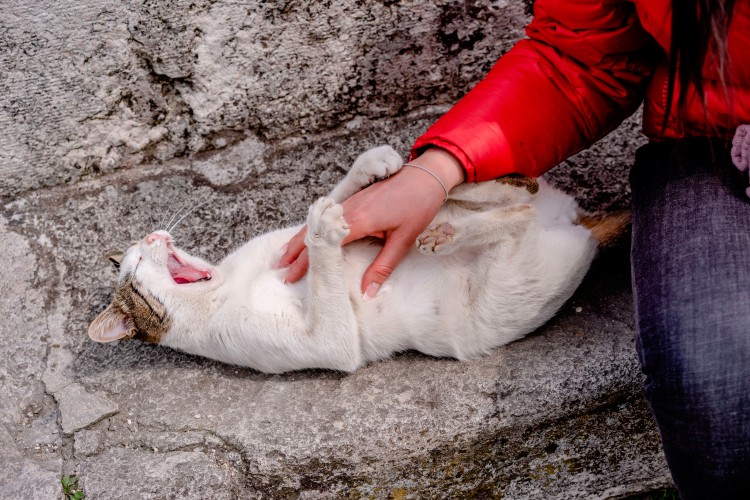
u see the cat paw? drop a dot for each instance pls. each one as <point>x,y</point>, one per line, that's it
<point>439,239</point>
<point>326,223</point>
<point>376,164</point>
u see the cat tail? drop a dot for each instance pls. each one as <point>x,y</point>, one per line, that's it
<point>607,228</point>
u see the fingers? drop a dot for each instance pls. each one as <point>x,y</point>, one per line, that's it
<point>396,247</point>
<point>295,257</point>
<point>294,248</point>
<point>298,268</point>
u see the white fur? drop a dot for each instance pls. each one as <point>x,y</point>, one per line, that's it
<point>503,272</point>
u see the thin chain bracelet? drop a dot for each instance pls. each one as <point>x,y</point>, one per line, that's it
<point>432,174</point>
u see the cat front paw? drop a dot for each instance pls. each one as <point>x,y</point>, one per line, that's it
<point>438,239</point>
<point>326,223</point>
<point>376,164</point>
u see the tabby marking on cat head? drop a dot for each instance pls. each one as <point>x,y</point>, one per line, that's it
<point>133,313</point>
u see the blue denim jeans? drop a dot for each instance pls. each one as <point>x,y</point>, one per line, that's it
<point>691,283</point>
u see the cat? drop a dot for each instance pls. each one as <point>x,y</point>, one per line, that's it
<point>499,260</point>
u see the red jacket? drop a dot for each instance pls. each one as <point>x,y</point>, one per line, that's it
<point>584,68</point>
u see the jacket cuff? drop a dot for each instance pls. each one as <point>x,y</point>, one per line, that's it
<point>426,141</point>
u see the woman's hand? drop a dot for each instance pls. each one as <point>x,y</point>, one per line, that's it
<point>396,209</point>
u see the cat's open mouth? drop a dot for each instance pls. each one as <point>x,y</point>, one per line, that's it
<point>184,273</point>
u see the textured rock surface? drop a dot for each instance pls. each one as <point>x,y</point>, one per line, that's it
<point>558,415</point>
<point>89,87</point>
<point>81,409</point>
<point>29,435</point>
<point>131,111</point>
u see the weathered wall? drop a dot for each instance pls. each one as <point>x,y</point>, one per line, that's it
<point>89,87</point>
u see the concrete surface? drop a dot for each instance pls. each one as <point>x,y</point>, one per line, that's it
<point>262,107</point>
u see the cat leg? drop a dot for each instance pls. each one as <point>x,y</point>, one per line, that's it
<point>495,226</point>
<point>493,295</point>
<point>504,191</point>
<point>332,336</point>
<point>371,166</point>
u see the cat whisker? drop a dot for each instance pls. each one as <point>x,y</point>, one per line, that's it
<point>164,218</point>
<point>124,243</point>
<point>184,216</point>
<point>176,214</point>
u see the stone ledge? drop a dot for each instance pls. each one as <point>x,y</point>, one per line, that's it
<point>557,415</point>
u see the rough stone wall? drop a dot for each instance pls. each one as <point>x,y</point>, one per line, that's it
<point>87,87</point>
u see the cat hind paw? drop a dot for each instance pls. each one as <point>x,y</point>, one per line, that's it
<point>326,223</point>
<point>439,239</point>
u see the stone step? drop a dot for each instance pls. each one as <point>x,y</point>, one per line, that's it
<point>115,115</point>
<point>557,415</point>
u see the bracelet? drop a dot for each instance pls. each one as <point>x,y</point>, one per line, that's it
<point>432,174</point>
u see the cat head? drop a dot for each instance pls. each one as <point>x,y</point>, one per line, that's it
<point>158,285</point>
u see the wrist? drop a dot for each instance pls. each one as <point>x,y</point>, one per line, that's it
<point>442,164</point>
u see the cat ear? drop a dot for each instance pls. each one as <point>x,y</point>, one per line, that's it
<point>110,325</point>
<point>115,259</point>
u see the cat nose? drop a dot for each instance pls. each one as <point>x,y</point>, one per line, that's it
<point>158,235</point>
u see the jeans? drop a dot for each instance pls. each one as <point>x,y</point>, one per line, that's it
<point>691,282</point>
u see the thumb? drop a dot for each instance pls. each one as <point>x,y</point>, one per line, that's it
<point>384,264</point>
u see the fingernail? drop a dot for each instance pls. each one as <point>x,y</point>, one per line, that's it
<point>370,291</point>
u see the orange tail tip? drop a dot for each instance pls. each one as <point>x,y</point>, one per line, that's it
<point>607,228</point>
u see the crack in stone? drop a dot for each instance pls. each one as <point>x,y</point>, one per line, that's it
<point>65,443</point>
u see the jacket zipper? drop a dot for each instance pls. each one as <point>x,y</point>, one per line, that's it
<point>664,93</point>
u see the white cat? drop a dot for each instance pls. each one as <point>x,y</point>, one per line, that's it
<point>499,260</point>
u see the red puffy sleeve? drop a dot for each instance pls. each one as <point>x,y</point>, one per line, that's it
<point>579,74</point>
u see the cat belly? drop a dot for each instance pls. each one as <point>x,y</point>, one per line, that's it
<point>466,304</point>
<point>419,306</point>
<point>460,305</point>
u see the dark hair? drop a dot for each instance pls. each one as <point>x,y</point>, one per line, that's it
<point>699,28</point>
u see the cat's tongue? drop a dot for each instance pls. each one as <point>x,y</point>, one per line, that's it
<point>182,273</point>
